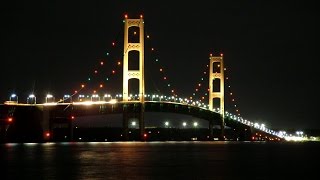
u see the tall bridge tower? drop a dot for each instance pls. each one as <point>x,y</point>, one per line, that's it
<point>216,89</point>
<point>129,46</point>
<point>133,74</point>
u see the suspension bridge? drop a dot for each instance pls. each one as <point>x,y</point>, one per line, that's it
<point>44,117</point>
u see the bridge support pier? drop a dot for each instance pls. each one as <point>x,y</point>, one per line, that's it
<point>141,123</point>
<point>211,129</point>
<point>125,119</point>
<point>137,113</point>
<point>46,124</point>
<point>214,121</point>
<point>222,129</point>
<point>70,126</point>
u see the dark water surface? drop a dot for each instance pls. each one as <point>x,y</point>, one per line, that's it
<point>160,160</point>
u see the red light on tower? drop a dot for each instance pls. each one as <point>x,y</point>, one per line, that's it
<point>47,134</point>
<point>221,54</point>
<point>10,119</point>
<point>141,16</point>
<point>145,135</point>
<point>126,16</point>
<point>72,117</point>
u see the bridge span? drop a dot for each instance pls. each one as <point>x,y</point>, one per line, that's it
<point>37,121</point>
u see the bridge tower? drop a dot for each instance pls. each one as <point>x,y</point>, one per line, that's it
<point>128,46</point>
<point>133,74</point>
<point>217,72</point>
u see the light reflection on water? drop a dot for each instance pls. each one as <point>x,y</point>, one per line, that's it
<point>157,160</point>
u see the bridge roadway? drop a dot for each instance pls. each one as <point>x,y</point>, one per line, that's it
<point>38,120</point>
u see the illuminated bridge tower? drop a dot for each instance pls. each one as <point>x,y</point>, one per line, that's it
<point>128,46</point>
<point>133,74</point>
<point>216,85</point>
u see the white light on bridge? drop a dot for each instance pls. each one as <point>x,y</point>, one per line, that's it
<point>195,124</point>
<point>294,138</point>
<point>113,101</point>
<point>50,104</point>
<point>166,123</point>
<point>299,133</point>
<point>184,124</point>
<point>31,99</point>
<point>49,96</point>
<point>13,97</point>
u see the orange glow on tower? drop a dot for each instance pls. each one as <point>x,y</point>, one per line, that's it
<point>10,119</point>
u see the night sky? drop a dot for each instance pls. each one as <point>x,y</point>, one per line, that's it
<point>269,51</point>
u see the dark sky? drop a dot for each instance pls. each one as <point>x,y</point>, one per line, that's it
<point>269,50</point>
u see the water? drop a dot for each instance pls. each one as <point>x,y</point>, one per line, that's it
<point>160,160</point>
